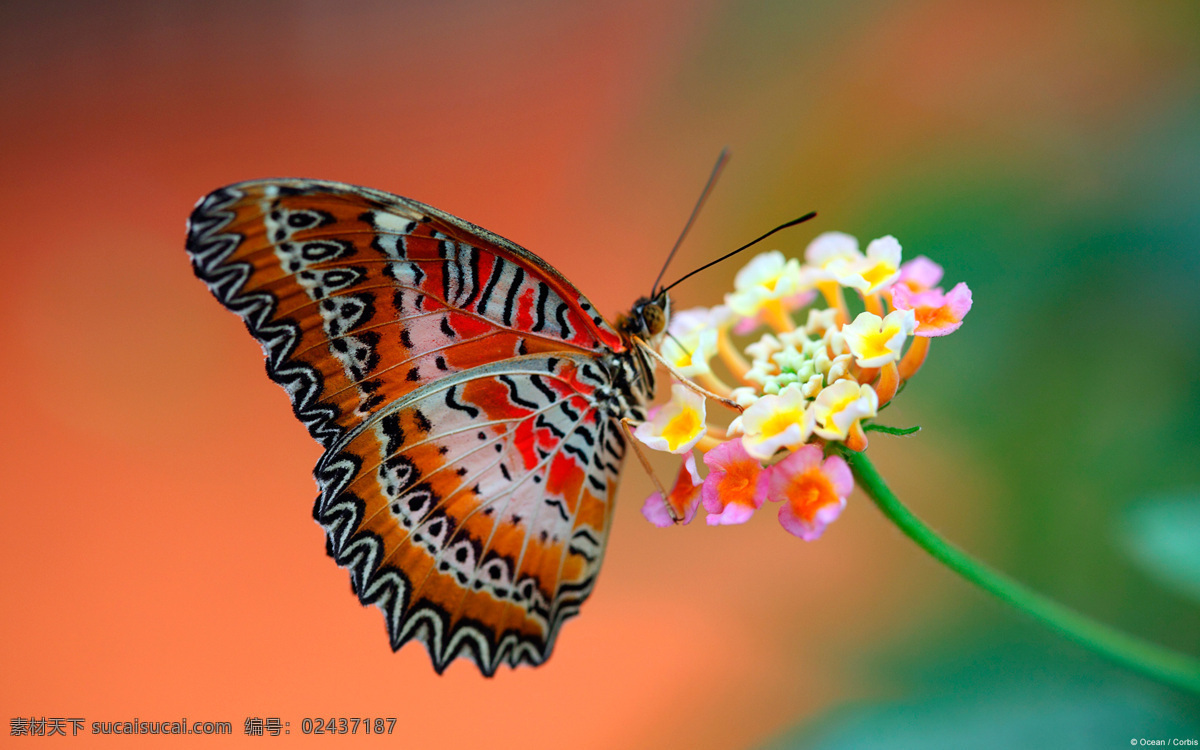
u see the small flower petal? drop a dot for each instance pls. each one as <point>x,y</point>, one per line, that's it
<point>936,314</point>
<point>839,367</point>
<point>686,324</point>
<point>813,386</point>
<point>831,246</point>
<point>764,348</point>
<point>744,395</point>
<point>767,288</point>
<point>919,274</point>
<point>820,321</point>
<point>690,356</point>
<point>871,273</point>
<point>882,265</point>
<point>735,486</point>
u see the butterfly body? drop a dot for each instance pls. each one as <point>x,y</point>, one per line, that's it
<point>468,398</point>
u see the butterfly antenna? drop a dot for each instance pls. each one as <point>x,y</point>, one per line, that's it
<point>708,186</point>
<point>726,256</point>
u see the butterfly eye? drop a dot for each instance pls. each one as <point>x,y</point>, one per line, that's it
<point>655,318</point>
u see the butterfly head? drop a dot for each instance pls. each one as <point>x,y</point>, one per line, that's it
<point>647,320</point>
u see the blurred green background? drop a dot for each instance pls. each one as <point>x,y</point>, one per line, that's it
<point>1047,153</point>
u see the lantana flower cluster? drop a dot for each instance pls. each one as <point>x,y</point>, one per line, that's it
<point>813,377</point>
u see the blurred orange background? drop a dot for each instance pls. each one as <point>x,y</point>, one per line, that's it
<point>160,558</point>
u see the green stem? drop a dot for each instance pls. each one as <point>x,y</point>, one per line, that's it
<point>897,431</point>
<point>1142,656</point>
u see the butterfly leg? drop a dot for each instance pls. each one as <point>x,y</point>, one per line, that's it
<point>686,381</point>
<point>633,441</point>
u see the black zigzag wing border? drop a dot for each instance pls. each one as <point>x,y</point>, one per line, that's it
<point>340,513</point>
<point>210,248</point>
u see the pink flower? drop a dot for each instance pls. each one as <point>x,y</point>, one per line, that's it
<point>735,486</point>
<point>937,313</point>
<point>919,274</point>
<point>813,493</point>
<point>684,497</point>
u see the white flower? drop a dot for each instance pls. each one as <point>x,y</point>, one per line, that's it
<point>690,356</point>
<point>834,255</point>
<point>880,269</point>
<point>678,425</point>
<point>692,342</point>
<point>768,278</point>
<point>830,248</point>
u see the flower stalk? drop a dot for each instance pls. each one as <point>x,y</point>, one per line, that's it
<point>1151,660</point>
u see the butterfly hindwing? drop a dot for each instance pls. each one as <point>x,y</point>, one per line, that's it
<point>474,511</point>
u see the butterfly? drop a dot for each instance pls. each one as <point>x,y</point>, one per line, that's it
<point>467,396</point>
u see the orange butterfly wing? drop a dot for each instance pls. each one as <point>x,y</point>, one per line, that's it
<point>359,296</point>
<point>466,393</point>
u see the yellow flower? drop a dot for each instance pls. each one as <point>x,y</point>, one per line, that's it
<point>839,406</point>
<point>775,422</point>
<point>876,341</point>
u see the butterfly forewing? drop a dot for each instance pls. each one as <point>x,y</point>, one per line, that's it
<point>467,395</point>
<point>359,297</point>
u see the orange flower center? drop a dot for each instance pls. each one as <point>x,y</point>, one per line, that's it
<point>809,492</point>
<point>739,483</point>
<point>935,317</point>
<point>682,492</point>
